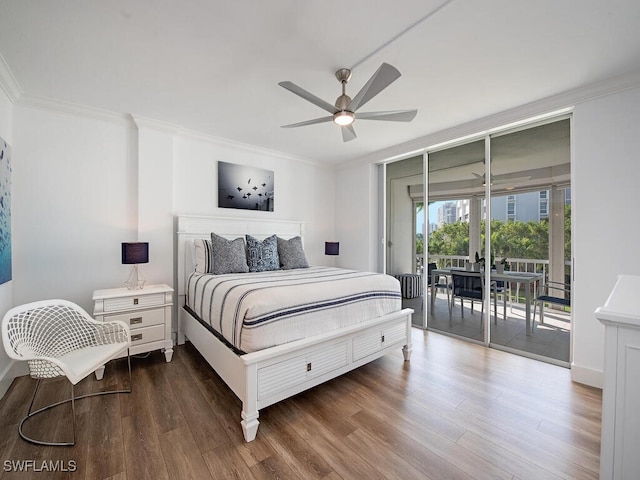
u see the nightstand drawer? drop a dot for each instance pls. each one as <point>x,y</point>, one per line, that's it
<point>134,301</point>
<point>140,318</point>
<point>147,334</point>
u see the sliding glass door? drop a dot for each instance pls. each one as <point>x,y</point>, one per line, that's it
<point>455,188</point>
<point>507,192</point>
<point>530,171</point>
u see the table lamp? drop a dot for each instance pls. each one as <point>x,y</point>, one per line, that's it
<point>332,248</point>
<point>134,253</point>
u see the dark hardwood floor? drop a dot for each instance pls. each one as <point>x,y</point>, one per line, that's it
<point>455,411</point>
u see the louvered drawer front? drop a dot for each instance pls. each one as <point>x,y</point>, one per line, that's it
<point>126,303</point>
<point>376,340</point>
<point>284,375</point>
<point>147,334</point>
<point>144,318</point>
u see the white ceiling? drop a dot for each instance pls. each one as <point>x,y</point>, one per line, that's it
<point>214,66</point>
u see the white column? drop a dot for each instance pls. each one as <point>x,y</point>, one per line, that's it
<point>556,235</point>
<point>475,214</point>
<point>155,197</point>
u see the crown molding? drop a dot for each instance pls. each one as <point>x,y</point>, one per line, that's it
<point>8,82</point>
<point>70,108</point>
<point>203,137</point>
<point>153,124</point>
<point>564,101</point>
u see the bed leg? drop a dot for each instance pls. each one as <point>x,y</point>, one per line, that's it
<point>406,351</point>
<point>249,425</point>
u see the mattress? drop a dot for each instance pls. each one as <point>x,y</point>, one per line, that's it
<point>254,311</point>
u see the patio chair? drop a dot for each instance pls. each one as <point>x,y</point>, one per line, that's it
<point>502,288</point>
<point>58,338</point>
<point>470,286</point>
<point>556,293</point>
<point>439,284</point>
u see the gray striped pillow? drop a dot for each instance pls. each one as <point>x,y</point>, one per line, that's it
<point>204,255</point>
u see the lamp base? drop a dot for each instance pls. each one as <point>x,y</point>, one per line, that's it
<point>135,280</point>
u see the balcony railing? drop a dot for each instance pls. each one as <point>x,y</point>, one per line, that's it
<point>515,265</point>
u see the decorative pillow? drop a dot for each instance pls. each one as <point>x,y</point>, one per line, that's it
<point>204,255</point>
<point>262,256</point>
<point>291,254</point>
<point>228,255</point>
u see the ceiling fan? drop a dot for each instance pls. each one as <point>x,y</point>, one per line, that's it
<point>343,113</point>
<point>500,179</point>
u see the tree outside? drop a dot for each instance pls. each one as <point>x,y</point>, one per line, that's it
<point>529,240</point>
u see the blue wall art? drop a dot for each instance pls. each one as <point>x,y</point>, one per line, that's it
<point>5,212</point>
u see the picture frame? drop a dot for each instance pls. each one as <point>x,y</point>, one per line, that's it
<point>243,187</point>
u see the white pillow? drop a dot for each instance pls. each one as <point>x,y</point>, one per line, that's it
<point>203,255</point>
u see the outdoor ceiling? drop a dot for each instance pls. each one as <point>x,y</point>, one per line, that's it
<point>214,66</point>
<point>532,157</point>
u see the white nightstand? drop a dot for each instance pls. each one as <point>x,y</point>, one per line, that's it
<point>147,311</point>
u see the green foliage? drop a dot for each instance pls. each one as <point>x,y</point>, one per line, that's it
<point>508,239</point>
<point>450,239</point>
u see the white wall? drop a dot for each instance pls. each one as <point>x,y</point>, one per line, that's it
<point>605,191</point>
<point>606,171</point>
<point>303,192</point>
<point>355,216</point>
<point>74,184</point>
<point>6,289</point>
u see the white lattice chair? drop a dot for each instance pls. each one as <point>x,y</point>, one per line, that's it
<point>58,338</point>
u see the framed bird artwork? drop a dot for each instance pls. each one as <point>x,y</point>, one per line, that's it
<point>243,187</point>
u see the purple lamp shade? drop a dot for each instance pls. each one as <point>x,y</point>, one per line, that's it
<point>134,253</point>
<point>332,248</point>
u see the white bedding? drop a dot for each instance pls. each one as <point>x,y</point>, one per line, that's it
<point>253,311</point>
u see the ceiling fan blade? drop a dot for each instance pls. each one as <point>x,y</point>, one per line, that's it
<point>310,97</point>
<point>384,76</point>
<point>393,116</point>
<point>309,122</point>
<point>348,133</point>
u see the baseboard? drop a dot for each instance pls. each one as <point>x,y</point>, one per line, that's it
<point>13,370</point>
<point>587,376</point>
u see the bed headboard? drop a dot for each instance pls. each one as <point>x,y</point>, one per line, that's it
<point>190,227</point>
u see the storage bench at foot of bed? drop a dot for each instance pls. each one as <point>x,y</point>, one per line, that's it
<point>268,376</point>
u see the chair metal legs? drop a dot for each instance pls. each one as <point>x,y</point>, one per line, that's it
<point>73,409</point>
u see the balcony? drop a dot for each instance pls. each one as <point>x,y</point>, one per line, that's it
<point>550,340</point>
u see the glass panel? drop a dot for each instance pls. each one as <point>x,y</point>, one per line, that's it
<point>527,166</point>
<point>405,191</point>
<point>456,177</point>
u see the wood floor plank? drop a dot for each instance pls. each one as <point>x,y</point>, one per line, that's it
<point>163,403</point>
<point>301,458</point>
<point>456,410</point>
<point>104,435</point>
<point>208,432</point>
<point>511,430</point>
<point>376,434</point>
<point>425,429</point>
<point>226,462</point>
<point>181,455</point>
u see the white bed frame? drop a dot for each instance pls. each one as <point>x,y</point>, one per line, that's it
<point>262,378</point>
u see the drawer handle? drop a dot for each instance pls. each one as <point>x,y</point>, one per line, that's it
<point>382,340</point>
<point>308,367</point>
<point>135,301</point>
<point>135,321</point>
<point>137,336</point>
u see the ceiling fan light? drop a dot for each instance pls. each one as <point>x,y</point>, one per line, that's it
<point>343,118</point>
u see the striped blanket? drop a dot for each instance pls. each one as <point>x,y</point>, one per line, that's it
<point>253,311</point>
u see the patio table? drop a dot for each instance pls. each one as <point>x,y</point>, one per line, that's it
<point>526,278</point>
